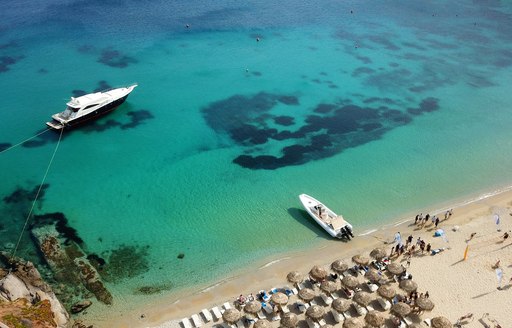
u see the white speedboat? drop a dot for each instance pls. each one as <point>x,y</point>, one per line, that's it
<point>89,106</point>
<point>334,224</point>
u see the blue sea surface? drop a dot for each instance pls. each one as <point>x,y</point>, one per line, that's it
<point>376,108</point>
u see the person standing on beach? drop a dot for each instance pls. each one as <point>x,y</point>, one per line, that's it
<point>436,222</point>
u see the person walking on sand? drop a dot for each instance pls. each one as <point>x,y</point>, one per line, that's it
<point>436,222</point>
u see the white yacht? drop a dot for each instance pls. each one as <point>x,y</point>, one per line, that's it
<point>334,224</point>
<point>89,106</point>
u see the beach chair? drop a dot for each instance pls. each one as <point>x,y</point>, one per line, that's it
<point>275,317</point>
<point>407,321</point>
<point>196,321</point>
<point>267,307</point>
<point>327,300</point>
<point>384,304</point>
<point>312,324</point>
<point>338,317</point>
<point>274,290</point>
<point>206,315</point>
<point>185,322</point>
<point>240,324</point>
<point>301,286</point>
<point>322,322</point>
<point>335,295</point>
<point>226,306</point>
<point>427,321</point>
<point>301,307</point>
<point>370,307</point>
<point>261,315</point>
<point>216,313</point>
<point>285,309</point>
<point>359,309</point>
<point>372,287</point>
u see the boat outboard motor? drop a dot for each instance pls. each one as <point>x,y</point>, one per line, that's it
<point>349,231</point>
<point>344,233</point>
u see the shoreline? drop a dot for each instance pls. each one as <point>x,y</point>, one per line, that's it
<point>271,271</point>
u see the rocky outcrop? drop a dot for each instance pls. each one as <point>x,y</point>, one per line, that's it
<point>69,262</point>
<point>22,288</point>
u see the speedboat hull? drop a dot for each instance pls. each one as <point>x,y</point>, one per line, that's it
<point>331,222</point>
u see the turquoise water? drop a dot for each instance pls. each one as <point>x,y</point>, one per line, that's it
<point>377,112</point>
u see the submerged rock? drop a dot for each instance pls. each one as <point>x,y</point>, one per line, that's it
<point>80,306</point>
<point>92,281</point>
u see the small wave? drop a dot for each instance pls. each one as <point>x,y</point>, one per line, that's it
<point>273,262</point>
<point>369,232</point>
<point>401,222</point>
<point>210,287</point>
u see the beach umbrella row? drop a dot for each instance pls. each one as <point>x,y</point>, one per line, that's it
<point>289,320</point>
<point>362,298</point>
<point>395,268</point>
<point>328,286</point>
<point>374,319</point>
<point>341,305</point>
<point>353,323</point>
<point>360,259</point>
<point>295,277</point>
<point>339,266</point>
<point>231,315</point>
<point>372,275</point>
<point>386,291</point>
<point>440,322</point>
<point>252,307</point>
<point>318,273</point>
<point>306,294</point>
<point>315,312</point>
<point>378,254</point>
<point>262,324</point>
<point>350,282</point>
<point>424,303</point>
<point>279,298</point>
<point>401,309</point>
<point>408,285</point>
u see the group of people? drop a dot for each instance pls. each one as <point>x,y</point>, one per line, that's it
<point>242,300</point>
<point>409,248</point>
<point>346,232</point>
<point>411,298</point>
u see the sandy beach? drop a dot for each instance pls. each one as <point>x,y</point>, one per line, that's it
<point>456,286</point>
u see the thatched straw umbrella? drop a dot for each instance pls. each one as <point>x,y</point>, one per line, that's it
<point>315,312</point>
<point>252,307</point>
<point>374,319</point>
<point>328,286</point>
<point>362,298</point>
<point>378,254</point>
<point>231,315</point>
<point>360,259</point>
<point>318,273</point>
<point>353,323</point>
<point>401,309</point>
<point>306,294</point>
<point>386,291</point>
<point>440,322</point>
<point>395,268</point>
<point>350,282</point>
<point>341,305</point>
<point>262,324</point>
<point>289,320</point>
<point>424,303</point>
<point>339,266</point>
<point>295,277</point>
<point>279,298</point>
<point>408,285</point>
<point>373,275</point>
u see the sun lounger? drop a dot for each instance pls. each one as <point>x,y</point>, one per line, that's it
<point>335,295</point>
<point>274,290</point>
<point>322,322</point>
<point>275,317</point>
<point>313,302</point>
<point>226,306</point>
<point>372,287</point>
<point>337,316</point>
<point>370,307</point>
<point>327,300</point>
<point>185,322</point>
<point>240,324</point>
<point>427,321</point>
<point>301,286</point>
<point>206,315</point>
<point>285,309</point>
<point>384,303</point>
<point>196,321</point>
<point>312,324</point>
<point>267,307</point>
<point>359,309</point>
<point>407,321</point>
<point>347,314</point>
<point>216,313</point>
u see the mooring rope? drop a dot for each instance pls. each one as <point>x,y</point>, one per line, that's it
<point>35,199</point>
<point>20,143</point>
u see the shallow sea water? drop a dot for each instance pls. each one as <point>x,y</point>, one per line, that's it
<point>377,110</point>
